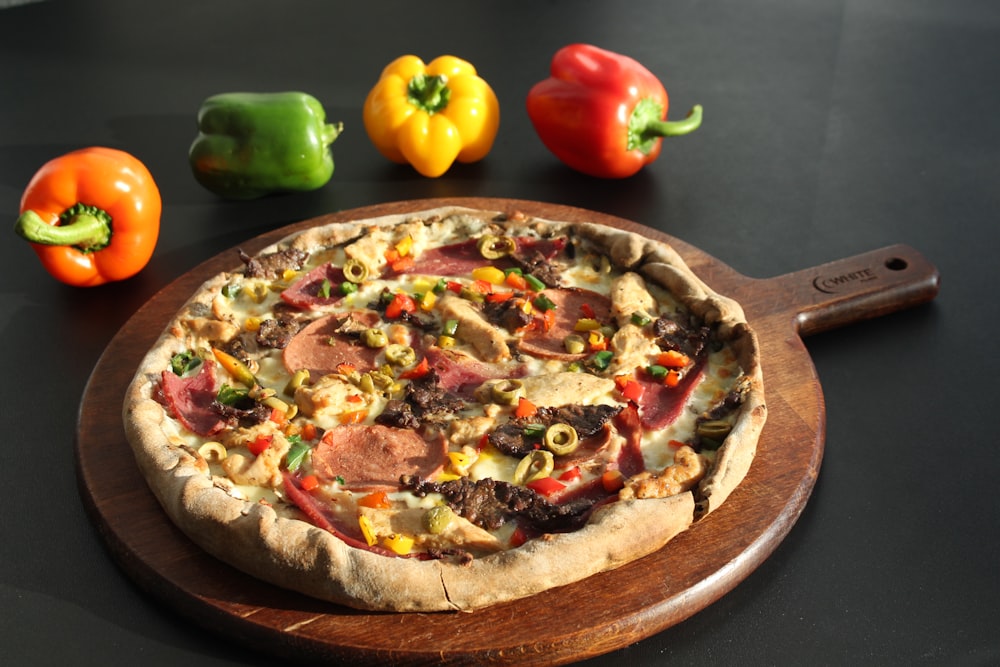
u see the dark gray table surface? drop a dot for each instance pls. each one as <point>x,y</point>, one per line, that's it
<point>832,127</point>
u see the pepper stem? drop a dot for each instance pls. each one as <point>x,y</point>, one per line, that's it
<point>675,128</point>
<point>645,126</point>
<point>331,131</point>
<point>429,93</point>
<point>84,230</point>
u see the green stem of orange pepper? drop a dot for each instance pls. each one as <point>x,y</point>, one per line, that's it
<point>86,228</point>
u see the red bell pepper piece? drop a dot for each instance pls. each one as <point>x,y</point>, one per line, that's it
<point>546,486</point>
<point>571,475</point>
<point>260,444</point>
<point>401,303</point>
<point>418,371</point>
<point>603,113</point>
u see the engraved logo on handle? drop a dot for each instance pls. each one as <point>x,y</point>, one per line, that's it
<point>843,281</point>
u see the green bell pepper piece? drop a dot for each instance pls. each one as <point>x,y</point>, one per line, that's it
<point>253,144</point>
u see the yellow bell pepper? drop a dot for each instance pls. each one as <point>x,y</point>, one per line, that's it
<point>431,115</point>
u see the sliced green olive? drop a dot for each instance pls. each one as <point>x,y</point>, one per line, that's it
<point>715,429</point>
<point>400,355</point>
<point>438,518</point>
<point>506,392</point>
<point>355,271</point>
<point>536,465</point>
<point>381,380</point>
<point>374,338</point>
<point>495,247</point>
<point>575,344</point>
<point>366,384</point>
<point>561,439</point>
<point>299,378</point>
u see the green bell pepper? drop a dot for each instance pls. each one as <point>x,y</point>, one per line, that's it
<point>253,144</point>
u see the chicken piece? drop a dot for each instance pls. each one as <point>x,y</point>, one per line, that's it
<point>205,328</point>
<point>565,388</point>
<point>330,396</point>
<point>633,348</point>
<point>689,468</point>
<point>629,296</point>
<point>489,341</point>
<point>469,431</point>
<point>370,249</point>
<point>242,467</point>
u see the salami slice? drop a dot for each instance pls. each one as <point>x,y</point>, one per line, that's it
<point>307,291</point>
<point>374,457</point>
<point>571,305</point>
<point>459,259</point>
<point>320,348</point>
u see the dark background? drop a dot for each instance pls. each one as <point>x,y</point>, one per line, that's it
<point>831,128</point>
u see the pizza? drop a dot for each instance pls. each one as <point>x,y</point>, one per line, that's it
<point>446,409</point>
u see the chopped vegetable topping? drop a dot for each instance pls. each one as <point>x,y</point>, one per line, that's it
<point>184,362</point>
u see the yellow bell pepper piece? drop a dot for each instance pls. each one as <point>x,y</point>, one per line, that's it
<point>490,274</point>
<point>431,115</point>
<point>367,530</point>
<point>400,544</point>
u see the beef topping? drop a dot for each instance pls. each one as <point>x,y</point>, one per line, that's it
<point>539,265</point>
<point>586,420</point>
<point>273,265</point>
<point>245,413</point>
<point>428,396</point>
<point>277,332</point>
<point>490,503</point>
<point>508,314</point>
<point>681,334</point>
<point>398,414</point>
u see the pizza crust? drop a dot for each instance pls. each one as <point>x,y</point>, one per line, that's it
<point>291,553</point>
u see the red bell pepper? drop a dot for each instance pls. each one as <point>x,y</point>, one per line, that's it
<point>603,113</point>
<point>546,486</point>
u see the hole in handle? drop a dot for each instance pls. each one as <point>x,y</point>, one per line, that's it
<point>895,264</point>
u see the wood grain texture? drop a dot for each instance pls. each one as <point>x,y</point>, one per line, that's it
<point>599,615</point>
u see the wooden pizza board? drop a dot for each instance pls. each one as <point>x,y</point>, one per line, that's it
<point>601,614</point>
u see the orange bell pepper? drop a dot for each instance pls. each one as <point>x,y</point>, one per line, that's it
<point>92,216</point>
<point>431,115</point>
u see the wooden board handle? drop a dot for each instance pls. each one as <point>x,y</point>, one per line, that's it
<point>858,288</point>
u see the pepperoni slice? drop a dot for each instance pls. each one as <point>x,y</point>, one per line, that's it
<point>320,349</point>
<point>374,457</point>
<point>569,309</point>
<point>306,292</point>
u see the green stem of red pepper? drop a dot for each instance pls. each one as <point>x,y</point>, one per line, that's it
<point>87,228</point>
<point>645,125</point>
